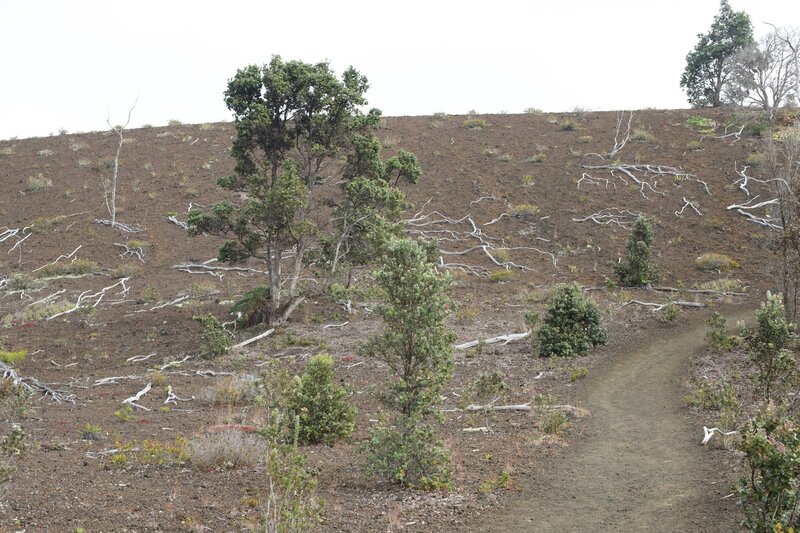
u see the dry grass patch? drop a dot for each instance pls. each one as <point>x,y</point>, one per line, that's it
<point>39,183</point>
<point>715,261</point>
<point>226,447</point>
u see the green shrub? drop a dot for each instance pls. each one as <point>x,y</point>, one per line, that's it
<point>292,503</point>
<point>92,432</point>
<point>717,335</point>
<point>216,341</point>
<point>409,453</point>
<point>701,122</point>
<point>770,346</point>
<point>253,307</point>
<point>474,123</point>
<point>637,270</point>
<point>670,313</point>
<point>572,324</point>
<point>642,136</point>
<point>532,111</point>
<point>16,401</point>
<point>39,183</point>
<point>693,145</point>
<point>577,372</point>
<point>417,348</point>
<point>757,128</point>
<point>501,275</point>
<point>78,267</point>
<point>489,385</point>
<point>11,358</point>
<point>567,125</point>
<point>585,139</point>
<point>715,261</point>
<point>536,158</point>
<point>769,493</point>
<point>755,159</point>
<point>524,211</point>
<point>322,404</point>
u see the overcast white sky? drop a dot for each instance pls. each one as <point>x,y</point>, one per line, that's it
<point>66,64</point>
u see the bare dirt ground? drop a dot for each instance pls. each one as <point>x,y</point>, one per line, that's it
<point>515,181</point>
<point>639,466</point>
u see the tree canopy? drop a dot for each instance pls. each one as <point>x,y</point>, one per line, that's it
<point>296,123</point>
<point>707,67</point>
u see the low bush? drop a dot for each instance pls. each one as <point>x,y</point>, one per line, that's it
<point>253,307</point>
<point>717,335</point>
<point>571,325</point>
<point>11,358</point>
<point>524,211</point>
<point>216,341</point>
<point>78,267</point>
<point>769,494</point>
<point>693,145</point>
<point>715,261</point>
<point>702,123</point>
<point>502,275</point>
<point>321,404</point>
<point>226,449</point>
<point>408,453</point>
<point>567,125</point>
<point>474,123</point>
<point>537,158</point>
<point>642,136</point>
<point>39,183</point>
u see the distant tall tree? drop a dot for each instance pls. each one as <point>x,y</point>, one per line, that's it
<point>707,67</point>
<point>764,74</point>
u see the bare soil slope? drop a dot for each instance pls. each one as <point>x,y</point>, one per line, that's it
<point>513,187</point>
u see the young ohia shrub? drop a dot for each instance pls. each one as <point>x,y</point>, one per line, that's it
<point>321,404</point>
<point>637,269</point>
<point>572,324</point>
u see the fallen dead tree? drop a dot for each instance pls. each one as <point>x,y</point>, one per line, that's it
<point>253,339</point>
<point>632,172</point>
<point>612,215</point>
<point>708,433</point>
<point>34,385</point>
<point>87,297</point>
<point>138,396</point>
<point>215,270</point>
<point>437,226</point>
<point>659,306</point>
<point>505,339</point>
<point>699,291</point>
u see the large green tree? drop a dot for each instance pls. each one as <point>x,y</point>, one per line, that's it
<point>296,123</point>
<point>708,65</point>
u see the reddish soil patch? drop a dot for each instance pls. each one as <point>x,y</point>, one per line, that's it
<point>61,484</point>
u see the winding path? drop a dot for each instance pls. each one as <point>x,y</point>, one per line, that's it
<point>640,467</point>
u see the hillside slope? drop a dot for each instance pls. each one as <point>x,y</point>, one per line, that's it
<point>503,198</point>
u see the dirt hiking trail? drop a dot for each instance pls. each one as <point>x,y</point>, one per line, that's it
<point>640,466</point>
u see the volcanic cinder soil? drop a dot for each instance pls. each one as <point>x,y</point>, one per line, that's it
<point>626,458</point>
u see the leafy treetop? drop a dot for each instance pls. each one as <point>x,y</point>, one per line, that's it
<point>707,67</point>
